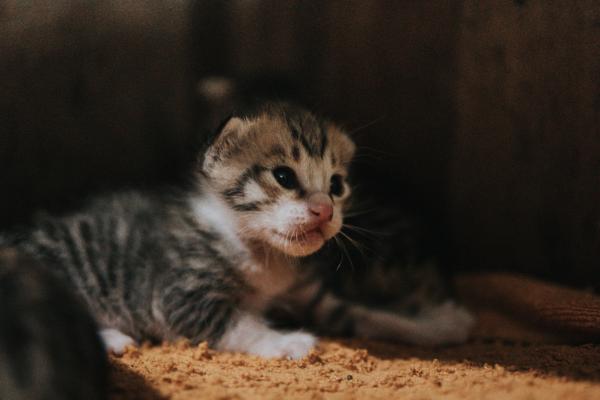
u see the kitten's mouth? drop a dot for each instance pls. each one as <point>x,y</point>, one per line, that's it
<point>301,240</point>
<point>303,237</point>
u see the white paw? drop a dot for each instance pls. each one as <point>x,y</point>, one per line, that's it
<point>251,334</point>
<point>292,345</point>
<point>447,323</point>
<point>115,341</point>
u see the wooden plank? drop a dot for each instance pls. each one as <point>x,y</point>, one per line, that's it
<point>525,172</point>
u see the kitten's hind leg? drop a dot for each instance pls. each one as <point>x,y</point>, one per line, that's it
<point>447,323</point>
<point>116,341</point>
<point>250,334</point>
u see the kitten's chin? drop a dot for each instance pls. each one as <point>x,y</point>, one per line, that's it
<point>297,245</point>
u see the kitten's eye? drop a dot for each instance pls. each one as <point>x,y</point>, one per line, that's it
<point>337,185</point>
<point>286,177</point>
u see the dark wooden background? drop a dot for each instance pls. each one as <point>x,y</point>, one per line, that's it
<point>485,114</point>
<point>524,177</point>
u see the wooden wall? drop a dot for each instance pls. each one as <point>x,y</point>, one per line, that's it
<point>525,166</point>
<point>92,96</point>
<point>384,68</point>
<point>485,113</point>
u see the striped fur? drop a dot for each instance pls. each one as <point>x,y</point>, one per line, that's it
<point>143,264</point>
<point>210,262</point>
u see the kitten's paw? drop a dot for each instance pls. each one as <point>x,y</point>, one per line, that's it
<point>115,341</point>
<point>251,334</point>
<point>292,345</point>
<point>447,323</point>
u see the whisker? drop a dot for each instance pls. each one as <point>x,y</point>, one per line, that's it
<point>341,254</point>
<point>368,124</point>
<point>345,251</point>
<point>356,244</point>
<point>365,231</point>
<point>339,264</point>
<point>374,150</point>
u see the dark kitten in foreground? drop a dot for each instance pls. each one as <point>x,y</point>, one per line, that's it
<point>210,262</point>
<point>49,346</point>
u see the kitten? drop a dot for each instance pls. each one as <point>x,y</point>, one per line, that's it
<point>49,348</point>
<point>210,262</point>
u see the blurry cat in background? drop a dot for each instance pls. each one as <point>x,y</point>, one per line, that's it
<point>49,347</point>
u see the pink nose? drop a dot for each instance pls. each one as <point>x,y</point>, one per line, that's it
<point>320,206</point>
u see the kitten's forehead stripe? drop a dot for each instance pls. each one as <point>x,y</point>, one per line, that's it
<point>323,132</point>
<point>277,151</point>
<point>306,129</point>
<point>304,142</point>
<point>296,153</point>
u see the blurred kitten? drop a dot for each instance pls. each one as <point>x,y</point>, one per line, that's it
<point>49,347</point>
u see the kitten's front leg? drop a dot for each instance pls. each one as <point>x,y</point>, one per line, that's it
<point>207,307</point>
<point>250,334</point>
<point>116,341</point>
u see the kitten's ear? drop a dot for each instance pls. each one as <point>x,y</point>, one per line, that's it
<point>226,139</point>
<point>342,144</point>
<point>348,148</point>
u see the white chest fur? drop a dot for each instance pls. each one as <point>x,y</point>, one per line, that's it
<point>268,274</point>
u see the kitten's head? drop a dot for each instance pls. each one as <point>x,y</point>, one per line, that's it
<point>283,172</point>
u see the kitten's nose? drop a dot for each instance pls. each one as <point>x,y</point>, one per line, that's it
<point>321,206</point>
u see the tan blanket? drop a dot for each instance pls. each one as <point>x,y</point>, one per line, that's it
<point>529,313</point>
<point>532,309</point>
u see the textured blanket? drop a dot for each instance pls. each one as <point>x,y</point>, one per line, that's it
<point>549,311</point>
<point>518,351</point>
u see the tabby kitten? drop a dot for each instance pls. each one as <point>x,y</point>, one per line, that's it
<point>209,263</point>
